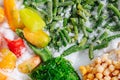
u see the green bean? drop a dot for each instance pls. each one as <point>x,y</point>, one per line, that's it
<point>100,8</point>
<point>60,10</point>
<point>73,49</point>
<point>55,6</point>
<point>101,46</point>
<point>57,18</point>
<point>83,41</point>
<point>63,38</point>
<point>113,28</point>
<point>52,26</point>
<point>91,55</point>
<point>90,30</point>
<point>65,21</point>
<point>103,36</point>
<point>66,35</point>
<point>50,9</point>
<point>108,39</point>
<point>79,7</point>
<point>99,22</point>
<point>83,28</point>
<point>114,9</point>
<point>66,3</point>
<point>75,27</point>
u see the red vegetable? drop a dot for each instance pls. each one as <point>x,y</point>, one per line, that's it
<point>15,46</point>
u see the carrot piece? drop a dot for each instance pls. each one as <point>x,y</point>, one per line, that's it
<point>2,76</point>
<point>2,16</point>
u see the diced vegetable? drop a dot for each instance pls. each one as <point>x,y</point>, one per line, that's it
<point>12,14</point>
<point>16,46</point>
<point>28,65</point>
<point>2,16</point>
<point>8,59</point>
<point>54,69</point>
<point>2,76</point>
<point>38,38</point>
<point>31,19</point>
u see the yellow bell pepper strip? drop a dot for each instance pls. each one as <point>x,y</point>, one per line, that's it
<point>12,14</point>
<point>38,38</point>
<point>2,76</point>
<point>16,46</point>
<point>31,19</point>
<point>2,16</point>
<point>28,65</point>
<point>8,59</point>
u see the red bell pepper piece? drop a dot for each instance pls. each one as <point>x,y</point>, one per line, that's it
<point>16,46</point>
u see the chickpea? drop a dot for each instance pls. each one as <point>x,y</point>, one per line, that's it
<point>115,73</point>
<point>99,75</point>
<point>107,78</point>
<point>96,79</point>
<point>111,68</point>
<point>106,72</point>
<point>100,69</point>
<point>104,57</point>
<point>104,65</point>
<point>114,78</point>
<point>98,60</point>
<point>119,76</point>
<point>90,76</point>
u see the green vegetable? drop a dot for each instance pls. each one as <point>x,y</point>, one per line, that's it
<point>83,27</point>
<point>66,3</point>
<point>54,69</point>
<point>83,41</point>
<point>75,27</point>
<point>44,53</point>
<point>101,46</point>
<point>114,9</point>
<point>91,55</point>
<point>108,39</point>
<point>102,37</point>
<point>73,49</point>
<point>66,35</point>
<point>90,30</point>
<point>50,13</point>
<point>99,10</point>
<point>63,38</point>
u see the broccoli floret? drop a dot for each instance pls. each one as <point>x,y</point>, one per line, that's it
<point>55,69</point>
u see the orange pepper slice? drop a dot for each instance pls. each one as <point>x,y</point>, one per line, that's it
<point>12,14</point>
<point>8,59</point>
<point>2,16</point>
<point>2,76</point>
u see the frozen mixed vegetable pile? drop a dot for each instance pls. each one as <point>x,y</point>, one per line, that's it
<point>54,24</point>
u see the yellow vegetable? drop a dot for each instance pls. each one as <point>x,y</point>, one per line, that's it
<point>38,38</point>
<point>31,19</point>
<point>1,14</point>
<point>8,59</point>
<point>28,65</point>
<point>2,76</point>
<point>83,70</point>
